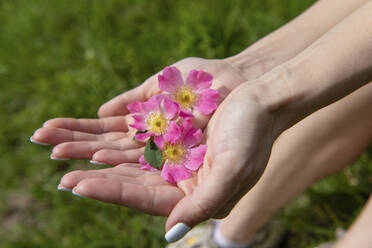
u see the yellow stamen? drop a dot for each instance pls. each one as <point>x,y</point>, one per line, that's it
<point>173,153</point>
<point>185,97</point>
<point>157,123</point>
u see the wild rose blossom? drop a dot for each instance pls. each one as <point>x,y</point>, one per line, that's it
<point>195,93</point>
<point>152,117</point>
<point>181,152</point>
<point>165,121</point>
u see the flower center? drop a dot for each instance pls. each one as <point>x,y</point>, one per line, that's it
<point>185,97</point>
<point>173,153</point>
<point>157,123</point>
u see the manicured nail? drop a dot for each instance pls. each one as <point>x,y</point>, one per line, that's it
<point>59,187</point>
<point>38,143</point>
<point>96,162</point>
<point>177,232</point>
<point>77,194</point>
<point>54,158</point>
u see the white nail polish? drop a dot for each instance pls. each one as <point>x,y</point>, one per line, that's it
<point>177,232</point>
<point>96,162</point>
<point>54,158</point>
<point>38,143</point>
<point>59,187</point>
<point>77,194</point>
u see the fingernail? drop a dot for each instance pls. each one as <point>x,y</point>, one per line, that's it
<point>38,143</point>
<point>176,232</point>
<point>59,187</point>
<point>54,158</point>
<point>77,194</point>
<point>96,162</point>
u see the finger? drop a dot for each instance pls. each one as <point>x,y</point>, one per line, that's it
<point>115,157</point>
<point>157,200</point>
<point>188,185</point>
<point>86,149</point>
<point>71,179</point>
<point>145,177</point>
<point>94,126</point>
<point>54,136</point>
<point>117,105</point>
<point>128,169</point>
<point>203,203</point>
<point>80,149</point>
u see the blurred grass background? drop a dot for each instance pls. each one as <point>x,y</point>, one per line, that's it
<point>66,58</point>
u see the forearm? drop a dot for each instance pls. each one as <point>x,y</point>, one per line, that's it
<point>289,40</point>
<point>334,66</point>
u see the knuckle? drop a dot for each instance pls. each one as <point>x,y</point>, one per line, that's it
<point>70,177</point>
<point>101,154</point>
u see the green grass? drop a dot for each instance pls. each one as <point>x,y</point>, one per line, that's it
<point>66,58</point>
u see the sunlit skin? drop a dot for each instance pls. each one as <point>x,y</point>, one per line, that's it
<point>185,97</point>
<point>157,123</point>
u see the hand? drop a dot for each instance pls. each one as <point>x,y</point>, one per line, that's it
<point>239,137</point>
<point>146,191</point>
<point>127,185</point>
<point>108,140</point>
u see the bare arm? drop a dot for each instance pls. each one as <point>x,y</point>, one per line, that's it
<point>292,38</point>
<point>335,65</point>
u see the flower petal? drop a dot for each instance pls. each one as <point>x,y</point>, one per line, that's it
<point>134,107</point>
<point>142,136</point>
<point>199,79</point>
<point>151,105</point>
<point>170,80</point>
<point>159,98</point>
<point>170,108</point>
<point>159,141</point>
<point>185,114</point>
<point>207,101</point>
<point>145,165</point>
<point>139,122</point>
<point>192,137</point>
<point>195,157</point>
<point>173,133</point>
<point>174,173</point>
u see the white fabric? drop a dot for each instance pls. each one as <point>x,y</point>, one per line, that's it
<point>222,242</point>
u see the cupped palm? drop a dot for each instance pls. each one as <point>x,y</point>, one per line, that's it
<point>109,140</point>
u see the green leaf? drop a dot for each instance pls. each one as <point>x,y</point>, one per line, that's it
<point>152,154</point>
<point>134,137</point>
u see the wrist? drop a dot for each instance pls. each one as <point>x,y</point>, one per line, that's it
<point>274,93</point>
<point>249,65</point>
<point>256,60</point>
<point>267,53</point>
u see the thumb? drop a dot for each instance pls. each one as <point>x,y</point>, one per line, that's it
<point>206,201</point>
<point>117,105</point>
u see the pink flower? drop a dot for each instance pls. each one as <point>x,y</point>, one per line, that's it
<point>181,155</point>
<point>153,116</point>
<point>194,93</point>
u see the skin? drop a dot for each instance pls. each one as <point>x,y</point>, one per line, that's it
<point>330,139</point>
<point>259,121</point>
<point>359,234</point>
